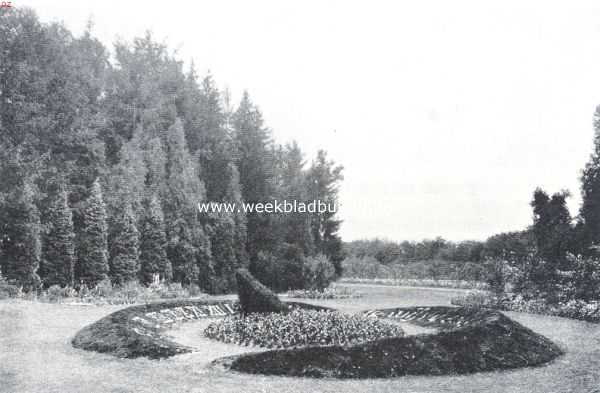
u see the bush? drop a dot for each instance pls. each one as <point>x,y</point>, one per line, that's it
<point>417,282</point>
<point>299,328</point>
<point>319,272</point>
<point>56,293</point>
<point>9,291</point>
<point>254,296</point>
<point>575,309</point>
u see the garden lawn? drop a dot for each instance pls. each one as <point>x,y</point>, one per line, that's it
<point>36,356</point>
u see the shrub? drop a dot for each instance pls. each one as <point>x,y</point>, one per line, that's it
<point>8,290</point>
<point>254,296</point>
<point>172,291</point>
<point>299,328</point>
<point>417,282</point>
<point>102,290</point>
<point>319,272</point>
<point>576,308</point>
<point>56,293</point>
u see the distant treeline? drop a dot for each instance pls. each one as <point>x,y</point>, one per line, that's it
<point>432,258</point>
<point>105,154</point>
<point>556,260</point>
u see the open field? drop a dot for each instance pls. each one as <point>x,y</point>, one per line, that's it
<point>36,356</point>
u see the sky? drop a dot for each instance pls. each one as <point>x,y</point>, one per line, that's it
<point>445,115</point>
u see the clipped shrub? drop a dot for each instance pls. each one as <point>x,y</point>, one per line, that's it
<point>299,328</point>
<point>254,297</point>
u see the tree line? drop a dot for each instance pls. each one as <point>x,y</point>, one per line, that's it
<point>556,258</point>
<point>104,156</point>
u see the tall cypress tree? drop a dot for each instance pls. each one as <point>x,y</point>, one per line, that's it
<point>59,250</point>
<point>227,232</point>
<point>589,213</point>
<point>93,253</point>
<point>188,246</point>
<point>292,186</point>
<point>323,181</point>
<point>21,244</point>
<point>255,165</point>
<point>124,249</point>
<point>153,243</point>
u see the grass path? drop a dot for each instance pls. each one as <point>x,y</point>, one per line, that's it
<point>36,356</point>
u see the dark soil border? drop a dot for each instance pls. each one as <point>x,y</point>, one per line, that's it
<point>139,331</point>
<point>470,341</point>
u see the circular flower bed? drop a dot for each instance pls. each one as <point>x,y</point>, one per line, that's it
<point>299,328</point>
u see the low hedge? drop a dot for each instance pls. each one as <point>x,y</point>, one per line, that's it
<point>470,341</point>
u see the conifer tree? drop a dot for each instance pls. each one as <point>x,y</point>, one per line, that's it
<point>323,181</point>
<point>228,236</point>
<point>589,213</point>
<point>188,245</point>
<point>153,243</point>
<point>93,253</point>
<point>21,243</point>
<point>255,165</point>
<point>124,248</point>
<point>295,228</point>
<point>59,251</point>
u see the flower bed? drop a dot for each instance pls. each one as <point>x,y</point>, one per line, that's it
<point>470,341</point>
<point>300,328</point>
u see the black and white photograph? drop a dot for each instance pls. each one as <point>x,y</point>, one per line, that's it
<point>277,196</point>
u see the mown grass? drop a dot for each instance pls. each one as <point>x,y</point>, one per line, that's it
<point>36,356</point>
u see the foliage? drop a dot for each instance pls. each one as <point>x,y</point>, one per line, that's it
<point>327,293</point>
<point>153,241</point>
<point>319,272</point>
<point>137,128</point>
<point>590,194</point>
<point>124,250</point>
<point>8,290</point>
<point>21,246</point>
<point>131,292</point>
<point>416,282</point>
<point>254,296</point>
<point>300,328</point>
<point>254,162</point>
<point>323,181</point>
<point>552,229</point>
<point>573,308</point>
<point>58,265</point>
<point>368,267</point>
<point>93,253</point>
